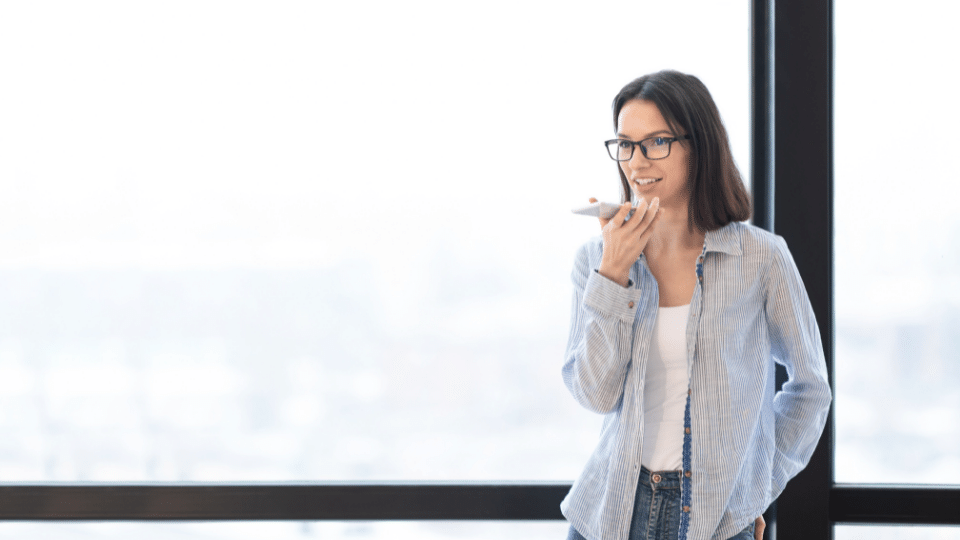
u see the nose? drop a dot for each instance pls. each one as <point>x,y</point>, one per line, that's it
<point>638,160</point>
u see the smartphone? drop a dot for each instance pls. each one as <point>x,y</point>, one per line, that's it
<point>606,210</point>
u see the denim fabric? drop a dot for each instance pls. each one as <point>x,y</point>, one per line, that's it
<point>656,508</point>
<point>746,534</point>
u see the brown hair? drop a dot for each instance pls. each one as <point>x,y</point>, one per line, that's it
<point>717,193</point>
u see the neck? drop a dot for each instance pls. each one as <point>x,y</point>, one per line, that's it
<point>673,234</point>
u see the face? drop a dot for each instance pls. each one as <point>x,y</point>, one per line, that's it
<point>666,178</point>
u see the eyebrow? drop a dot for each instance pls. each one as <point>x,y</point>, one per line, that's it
<point>648,135</point>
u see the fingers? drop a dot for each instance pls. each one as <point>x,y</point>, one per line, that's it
<point>645,214</point>
<point>640,224</point>
<point>759,526</point>
<point>653,212</point>
<point>623,212</point>
<point>648,231</point>
<point>619,217</point>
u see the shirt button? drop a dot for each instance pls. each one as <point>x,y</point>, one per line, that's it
<point>630,304</point>
<point>686,430</point>
<point>686,509</point>
<point>688,474</point>
<point>689,391</point>
<point>656,478</point>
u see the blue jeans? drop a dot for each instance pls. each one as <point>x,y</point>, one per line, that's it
<point>656,509</point>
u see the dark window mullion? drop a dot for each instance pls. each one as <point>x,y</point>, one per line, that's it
<point>803,215</point>
<point>916,505</point>
<point>336,501</point>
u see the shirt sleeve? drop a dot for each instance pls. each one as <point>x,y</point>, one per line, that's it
<point>600,343</point>
<point>801,407</point>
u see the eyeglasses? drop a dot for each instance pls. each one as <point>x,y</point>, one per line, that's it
<point>652,148</point>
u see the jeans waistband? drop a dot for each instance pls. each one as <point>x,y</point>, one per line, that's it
<point>660,479</point>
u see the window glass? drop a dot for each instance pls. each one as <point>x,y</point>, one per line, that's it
<point>896,246</point>
<point>311,240</point>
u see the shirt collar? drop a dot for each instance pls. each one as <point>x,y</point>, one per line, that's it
<point>725,239</point>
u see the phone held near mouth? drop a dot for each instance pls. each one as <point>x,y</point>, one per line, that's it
<point>605,210</point>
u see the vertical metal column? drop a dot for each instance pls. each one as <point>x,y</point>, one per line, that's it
<point>762,107</point>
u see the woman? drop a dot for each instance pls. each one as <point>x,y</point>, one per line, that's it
<point>680,312</point>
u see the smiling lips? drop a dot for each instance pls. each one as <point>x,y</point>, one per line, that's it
<point>645,181</point>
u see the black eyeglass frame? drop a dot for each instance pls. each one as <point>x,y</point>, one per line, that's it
<point>643,150</point>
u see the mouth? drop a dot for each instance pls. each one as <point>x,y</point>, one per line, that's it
<point>645,181</point>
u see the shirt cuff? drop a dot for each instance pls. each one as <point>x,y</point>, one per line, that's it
<point>610,298</point>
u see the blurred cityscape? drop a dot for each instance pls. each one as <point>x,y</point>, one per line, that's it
<point>248,375</point>
<point>270,375</point>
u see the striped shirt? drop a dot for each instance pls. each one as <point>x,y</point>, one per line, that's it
<point>749,309</point>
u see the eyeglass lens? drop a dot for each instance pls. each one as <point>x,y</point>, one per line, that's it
<point>654,148</point>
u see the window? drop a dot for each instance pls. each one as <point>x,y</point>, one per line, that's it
<point>316,241</point>
<point>898,323</point>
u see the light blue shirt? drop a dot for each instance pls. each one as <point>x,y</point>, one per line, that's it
<point>749,310</point>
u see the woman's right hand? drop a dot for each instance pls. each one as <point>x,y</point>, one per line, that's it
<point>624,241</point>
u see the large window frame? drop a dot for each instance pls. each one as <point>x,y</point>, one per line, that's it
<point>792,66</point>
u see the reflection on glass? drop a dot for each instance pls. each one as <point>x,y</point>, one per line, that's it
<point>896,252</point>
<point>204,276</point>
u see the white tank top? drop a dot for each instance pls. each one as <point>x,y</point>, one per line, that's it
<point>665,391</point>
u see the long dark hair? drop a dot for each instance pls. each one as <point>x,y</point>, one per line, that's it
<point>717,193</point>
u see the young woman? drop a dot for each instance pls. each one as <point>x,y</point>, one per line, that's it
<point>680,312</point>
